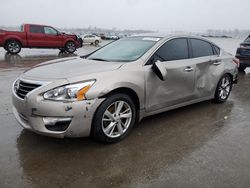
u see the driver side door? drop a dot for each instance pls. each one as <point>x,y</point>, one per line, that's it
<point>179,86</point>
<point>52,37</point>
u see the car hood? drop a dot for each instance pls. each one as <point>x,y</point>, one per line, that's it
<point>70,67</point>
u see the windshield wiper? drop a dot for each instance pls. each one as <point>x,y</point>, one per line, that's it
<point>98,59</point>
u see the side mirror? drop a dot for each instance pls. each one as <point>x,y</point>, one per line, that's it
<point>160,70</point>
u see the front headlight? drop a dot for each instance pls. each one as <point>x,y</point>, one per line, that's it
<point>72,92</point>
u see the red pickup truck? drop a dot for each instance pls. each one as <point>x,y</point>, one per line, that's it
<point>38,36</point>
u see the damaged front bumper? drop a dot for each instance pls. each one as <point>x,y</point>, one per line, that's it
<point>53,118</point>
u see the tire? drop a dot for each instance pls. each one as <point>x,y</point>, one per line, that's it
<point>242,68</point>
<point>223,89</point>
<point>70,47</point>
<point>13,47</point>
<point>109,126</point>
<point>62,50</point>
<point>97,42</point>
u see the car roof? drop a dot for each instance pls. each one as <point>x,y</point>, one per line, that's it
<point>165,36</point>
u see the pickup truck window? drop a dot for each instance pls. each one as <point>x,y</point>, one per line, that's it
<point>22,28</point>
<point>50,31</point>
<point>36,29</point>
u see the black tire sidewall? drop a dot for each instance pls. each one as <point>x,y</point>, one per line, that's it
<point>7,46</point>
<point>96,42</point>
<point>217,97</point>
<point>97,131</point>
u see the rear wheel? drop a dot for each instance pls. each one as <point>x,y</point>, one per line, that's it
<point>114,118</point>
<point>70,47</point>
<point>223,89</point>
<point>13,47</point>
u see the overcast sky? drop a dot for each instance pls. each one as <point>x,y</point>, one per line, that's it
<point>161,15</point>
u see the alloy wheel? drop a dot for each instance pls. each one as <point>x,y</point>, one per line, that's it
<point>116,119</point>
<point>71,47</point>
<point>225,88</point>
<point>13,47</point>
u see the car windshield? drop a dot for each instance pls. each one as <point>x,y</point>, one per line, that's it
<point>124,50</point>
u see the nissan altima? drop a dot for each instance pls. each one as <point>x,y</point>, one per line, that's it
<point>104,94</point>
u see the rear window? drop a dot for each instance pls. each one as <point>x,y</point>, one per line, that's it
<point>201,48</point>
<point>36,29</point>
<point>21,28</point>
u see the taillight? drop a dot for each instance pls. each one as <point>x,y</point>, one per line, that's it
<point>237,61</point>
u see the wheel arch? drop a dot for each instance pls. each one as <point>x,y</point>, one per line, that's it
<point>13,38</point>
<point>230,75</point>
<point>125,90</point>
<point>121,90</point>
<point>68,40</point>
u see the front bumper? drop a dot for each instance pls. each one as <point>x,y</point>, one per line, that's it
<point>31,111</point>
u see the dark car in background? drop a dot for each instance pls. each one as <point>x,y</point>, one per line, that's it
<point>243,54</point>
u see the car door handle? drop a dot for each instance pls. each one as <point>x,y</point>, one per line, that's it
<point>216,62</point>
<point>189,69</point>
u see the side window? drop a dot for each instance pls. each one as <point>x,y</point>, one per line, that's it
<point>21,28</point>
<point>201,48</point>
<point>175,49</point>
<point>216,50</point>
<point>36,29</point>
<point>50,31</point>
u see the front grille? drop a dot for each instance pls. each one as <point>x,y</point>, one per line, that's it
<point>24,88</point>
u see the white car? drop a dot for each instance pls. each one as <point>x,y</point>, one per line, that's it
<point>91,39</point>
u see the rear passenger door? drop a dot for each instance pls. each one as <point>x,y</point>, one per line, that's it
<point>208,66</point>
<point>35,36</point>
<point>179,85</point>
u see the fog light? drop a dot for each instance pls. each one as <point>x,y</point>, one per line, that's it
<point>57,123</point>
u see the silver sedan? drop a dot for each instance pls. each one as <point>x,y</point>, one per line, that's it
<point>104,94</point>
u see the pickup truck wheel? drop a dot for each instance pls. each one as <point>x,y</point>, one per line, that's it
<point>13,47</point>
<point>70,47</point>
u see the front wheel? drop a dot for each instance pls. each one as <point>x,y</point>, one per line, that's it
<point>70,47</point>
<point>223,89</point>
<point>114,119</point>
<point>13,47</point>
